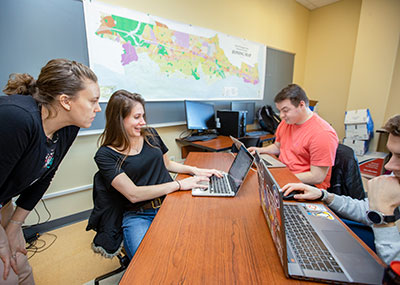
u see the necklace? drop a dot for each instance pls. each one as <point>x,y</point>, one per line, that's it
<point>53,140</point>
<point>137,146</point>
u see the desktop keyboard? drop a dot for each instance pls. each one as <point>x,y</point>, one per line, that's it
<point>257,133</point>
<point>308,248</point>
<point>201,137</point>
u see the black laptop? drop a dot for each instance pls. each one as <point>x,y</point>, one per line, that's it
<point>229,184</point>
<point>311,243</point>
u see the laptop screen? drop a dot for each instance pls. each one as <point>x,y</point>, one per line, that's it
<point>239,168</point>
<point>272,206</point>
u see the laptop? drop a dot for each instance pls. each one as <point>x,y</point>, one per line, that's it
<point>311,243</point>
<point>268,159</point>
<point>229,184</point>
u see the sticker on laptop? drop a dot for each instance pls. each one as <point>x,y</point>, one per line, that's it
<point>317,210</point>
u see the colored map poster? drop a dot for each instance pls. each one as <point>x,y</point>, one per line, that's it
<point>168,61</point>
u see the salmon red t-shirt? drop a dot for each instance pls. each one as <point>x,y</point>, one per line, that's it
<point>312,143</point>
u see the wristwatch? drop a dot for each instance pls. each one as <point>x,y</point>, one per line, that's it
<point>378,218</point>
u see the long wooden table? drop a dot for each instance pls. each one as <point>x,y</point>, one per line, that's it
<point>209,240</point>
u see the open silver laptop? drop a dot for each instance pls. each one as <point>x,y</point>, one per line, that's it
<point>269,160</point>
<point>311,243</point>
<point>230,183</point>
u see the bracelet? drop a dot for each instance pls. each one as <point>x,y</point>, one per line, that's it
<point>321,198</point>
<point>179,184</point>
<point>16,222</point>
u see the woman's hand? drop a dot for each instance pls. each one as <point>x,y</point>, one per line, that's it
<point>5,254</point>
<point>193,182</point>
<point>206,172</point>
<point>308,192</point>
<point>16,238</point>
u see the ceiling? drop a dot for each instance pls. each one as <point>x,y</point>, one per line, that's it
<point>313,4</point>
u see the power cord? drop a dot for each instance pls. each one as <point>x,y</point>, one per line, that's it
<point>40,245</point>
<point>47,210</point>
<point>33,239</point>
<point>38,216</point>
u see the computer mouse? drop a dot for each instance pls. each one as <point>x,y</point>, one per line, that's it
<point>290,196</point>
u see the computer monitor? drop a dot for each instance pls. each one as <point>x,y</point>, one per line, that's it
<point>200,116</point>
<point>245,106</point>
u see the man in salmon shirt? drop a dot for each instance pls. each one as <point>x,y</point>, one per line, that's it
<point>304,141</point>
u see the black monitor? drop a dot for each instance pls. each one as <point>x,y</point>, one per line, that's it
<point>245,106</point>
<point>200,116</point>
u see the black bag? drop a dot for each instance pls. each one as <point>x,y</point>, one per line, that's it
<point>268,119</point>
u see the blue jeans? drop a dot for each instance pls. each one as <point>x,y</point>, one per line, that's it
<point>135,225</point>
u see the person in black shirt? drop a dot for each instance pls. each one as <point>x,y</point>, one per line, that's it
<point>132,160</point>
<point>39,122</point>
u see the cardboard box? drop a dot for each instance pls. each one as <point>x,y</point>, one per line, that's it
<point>357,132</point>
<point>359,147</point>
<point>359,124</point>
<point>371,164</point>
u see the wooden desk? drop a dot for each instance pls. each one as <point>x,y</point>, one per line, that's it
<point>205,240</point>
<point>220,143</point>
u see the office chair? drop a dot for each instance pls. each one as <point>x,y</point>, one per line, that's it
<point>123,261</point>
<point>248,142</point>
<point>346,176</point>
<point>346,180</point>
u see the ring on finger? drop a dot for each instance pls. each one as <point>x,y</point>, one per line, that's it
<point>14,256</point>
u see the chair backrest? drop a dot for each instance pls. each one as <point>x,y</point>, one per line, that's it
<point>248,142</point>
<point>346,176</point>
<point>106,218</point>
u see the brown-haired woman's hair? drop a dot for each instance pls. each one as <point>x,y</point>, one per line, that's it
<point>118,108</point>
<point>392,126</point>
<point>58,76</point>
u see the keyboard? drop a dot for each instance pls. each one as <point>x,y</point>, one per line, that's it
<point>310,251</point>
<point>257,133</point>
<point>218,185</point>
<point>201,137</point>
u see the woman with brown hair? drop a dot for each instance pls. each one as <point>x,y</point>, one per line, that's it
<point>39,122</point>
<point>132,161</point>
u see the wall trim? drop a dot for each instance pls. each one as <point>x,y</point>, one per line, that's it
<point>67,191</point>
<point>158,125</point>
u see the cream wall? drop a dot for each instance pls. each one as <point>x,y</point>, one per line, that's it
<point>329,59</point>
<point>375,59</point>
<point>352,60</point>
<point>281,24</point>
<point>393,105</point>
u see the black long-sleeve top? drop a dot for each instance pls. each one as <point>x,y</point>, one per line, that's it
<point>23,150</point>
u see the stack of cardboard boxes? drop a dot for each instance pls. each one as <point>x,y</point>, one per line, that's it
<point>359,130</point>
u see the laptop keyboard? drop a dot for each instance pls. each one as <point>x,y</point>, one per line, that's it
<point>267,163</point>
<point>218,185</point>
<point>308,248</point>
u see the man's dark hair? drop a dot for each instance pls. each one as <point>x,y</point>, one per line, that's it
<point>294,93</point>
<point>393,126</point>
